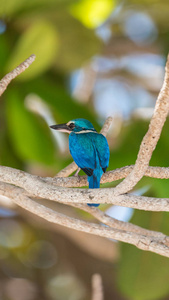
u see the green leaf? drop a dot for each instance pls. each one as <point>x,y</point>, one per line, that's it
<point>29,134</point>
<point>40,39</point>
<point>144,275</point>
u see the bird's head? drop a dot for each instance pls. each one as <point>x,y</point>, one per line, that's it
<point>76,125</point>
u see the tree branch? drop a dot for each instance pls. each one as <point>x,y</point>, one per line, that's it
<point>17,71</point>
<point>151,138</point>
<point>106,126</point>
<point>20,186</point>
<point>110,176</point>
<point>114,223</point>
<point>37,187</point>
<point>67,170</point>
<point>148,243</point>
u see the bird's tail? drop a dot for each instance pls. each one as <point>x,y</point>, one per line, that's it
<point>94,183</point>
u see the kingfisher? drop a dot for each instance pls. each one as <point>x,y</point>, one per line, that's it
<point>89,149</point>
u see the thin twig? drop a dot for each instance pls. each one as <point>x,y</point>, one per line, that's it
<point>106,126</point>
<point>67,170</point>
<point>17,71</point>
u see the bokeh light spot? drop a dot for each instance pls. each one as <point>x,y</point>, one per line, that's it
<point>139,27</point>
<point>11,234</point>
<point>41,254</point>
<point>92,13</point>
<point>66,287</point>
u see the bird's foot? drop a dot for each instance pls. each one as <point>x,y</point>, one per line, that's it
<point>77,172</point>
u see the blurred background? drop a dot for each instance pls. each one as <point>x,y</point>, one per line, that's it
<point>94,58</point>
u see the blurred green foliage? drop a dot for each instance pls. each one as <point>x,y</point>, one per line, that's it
<point>40,38</point>
<point>144,275</point>
<point>46,29</point>
<point>28,133</point>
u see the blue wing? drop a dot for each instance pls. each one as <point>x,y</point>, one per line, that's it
<point>90,152</point>
<point>102,148</point>
<point>85,148</point>
<point>82,150</point>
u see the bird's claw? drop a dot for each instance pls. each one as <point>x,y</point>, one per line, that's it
<point>77,172</point>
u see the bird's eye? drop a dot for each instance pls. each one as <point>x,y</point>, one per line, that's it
<point>71,125</point>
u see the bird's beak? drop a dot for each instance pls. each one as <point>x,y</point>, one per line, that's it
<point>61,127</point>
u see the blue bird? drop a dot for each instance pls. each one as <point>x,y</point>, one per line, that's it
<point>88,148</point>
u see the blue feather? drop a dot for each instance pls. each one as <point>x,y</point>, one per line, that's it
<point>94,179</point>
<point>90,152</point>
<point>88,148</point>
<point>94,182</point>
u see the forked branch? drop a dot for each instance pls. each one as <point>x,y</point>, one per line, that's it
<point>21,187</point>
